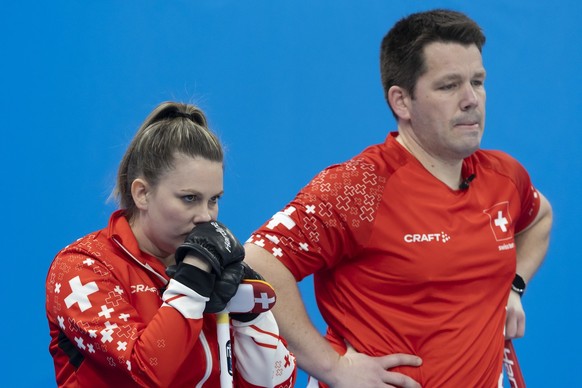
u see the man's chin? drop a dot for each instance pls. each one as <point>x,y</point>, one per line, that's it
<point>471,142</point>
<point>468,149</point>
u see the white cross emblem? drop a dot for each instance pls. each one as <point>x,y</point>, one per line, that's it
<point>273,239</point>
<point>106,333</point>
<point>501,221</point>
<point>282,218</point>
<point>264,300</point>
<point>61,322</point>
<point>80,293</point>
<point>105,312</point>
<point>79,342</point>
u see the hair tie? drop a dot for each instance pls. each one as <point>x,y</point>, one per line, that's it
<point>194,117</point>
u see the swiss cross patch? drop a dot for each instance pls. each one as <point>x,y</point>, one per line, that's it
<point>254,296</point>
<point>500,221</point>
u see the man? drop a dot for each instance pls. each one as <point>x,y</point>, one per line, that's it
<point>416,243</point>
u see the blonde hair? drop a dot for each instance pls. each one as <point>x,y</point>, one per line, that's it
<point>171,128</point>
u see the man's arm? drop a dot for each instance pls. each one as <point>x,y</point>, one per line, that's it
<point>531,246</point>
<point>313,353</point>
<point>532,243</point>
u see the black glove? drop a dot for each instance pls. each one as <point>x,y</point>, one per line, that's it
<point>213,242</point>
<point>225,287</point>
<point>249,273</point>
<point>198,280</point>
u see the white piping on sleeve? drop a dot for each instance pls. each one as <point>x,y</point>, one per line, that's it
<point>208,355</point>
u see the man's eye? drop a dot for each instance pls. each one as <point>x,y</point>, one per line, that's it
<point>214,200</point>
<point>448,86</point>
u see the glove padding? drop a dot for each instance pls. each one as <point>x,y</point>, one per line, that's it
<point>249,273</point>
<point>213,242</point>
<point>225,287</point>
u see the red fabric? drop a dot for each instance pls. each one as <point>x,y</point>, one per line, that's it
<point>105,295</point>
<point>404,264</point>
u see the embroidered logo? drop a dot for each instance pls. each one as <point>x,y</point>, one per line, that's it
<point>426,237</point>
<point>135,288</point>
<point>500,221</point>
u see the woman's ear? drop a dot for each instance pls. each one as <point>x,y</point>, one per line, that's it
<point>140,191</point>
<point>399,100</point>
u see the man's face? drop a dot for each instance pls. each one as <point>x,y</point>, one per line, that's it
<point>447,114</point>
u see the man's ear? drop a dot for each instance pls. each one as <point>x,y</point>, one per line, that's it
<point>399,100</point>
<point>139,191</point>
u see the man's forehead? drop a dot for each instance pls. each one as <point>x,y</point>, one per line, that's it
<point>453,57</point>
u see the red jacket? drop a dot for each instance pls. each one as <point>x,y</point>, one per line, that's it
<point>115,320</point>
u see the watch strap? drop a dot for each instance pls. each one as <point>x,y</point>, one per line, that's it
<point>518,285</point>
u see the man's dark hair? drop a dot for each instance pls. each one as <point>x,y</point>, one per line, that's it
<point>402,51</point>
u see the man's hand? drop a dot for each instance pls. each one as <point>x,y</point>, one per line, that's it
<point>213,242</point>
<point>515,320</point>
<point>359,370</point>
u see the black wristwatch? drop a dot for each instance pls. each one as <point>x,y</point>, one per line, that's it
<point>518,285</point>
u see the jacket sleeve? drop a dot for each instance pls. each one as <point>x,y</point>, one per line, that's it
<point>91,308</point>
<point>261,355</point>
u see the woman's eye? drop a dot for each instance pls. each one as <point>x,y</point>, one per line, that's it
<point>189,198</point>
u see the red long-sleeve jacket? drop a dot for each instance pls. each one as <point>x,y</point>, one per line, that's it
<point>115,320</point>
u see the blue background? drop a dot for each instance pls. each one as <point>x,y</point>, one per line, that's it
<point>290,87</point>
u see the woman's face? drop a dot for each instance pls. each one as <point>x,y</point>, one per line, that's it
<point>183,197</point>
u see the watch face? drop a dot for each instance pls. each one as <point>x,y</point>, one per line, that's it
<point>518,284</point>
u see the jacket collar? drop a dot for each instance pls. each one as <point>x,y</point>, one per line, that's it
<point>119,231</point>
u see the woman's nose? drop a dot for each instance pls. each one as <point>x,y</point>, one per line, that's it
<point>202,215</point>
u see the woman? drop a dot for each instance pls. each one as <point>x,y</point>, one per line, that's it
<point>115,316</point>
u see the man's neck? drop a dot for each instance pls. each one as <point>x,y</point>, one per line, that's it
<point>448,172</point>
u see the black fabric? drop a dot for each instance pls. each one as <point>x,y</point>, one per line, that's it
<point>75,356</point>
<point>198,280</point>
<point>225,287</point>
<point>213,242</point>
